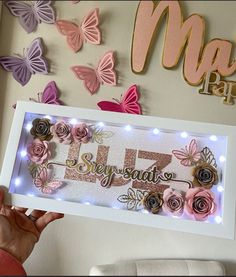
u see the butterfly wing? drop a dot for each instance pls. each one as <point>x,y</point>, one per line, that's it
<point>72,33</point>
<point>192,149</point>
<point>88,75</point>
<point>129,101</point>
<point>90,29</point>
<point>50,94</point>
<point>18,67</point>
<point>25,13</point>
<point>183,156</point>
<point>110,106</point>
<point>105,71</point>
<point>51,187</point>
<point>44,11</point>
<point>35,62</point>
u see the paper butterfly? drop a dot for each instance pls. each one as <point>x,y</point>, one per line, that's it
<point>42,183</point>
<point>32,13</point>
<point>99,135</point>
<point>188,156</point>
<point>87,31</point>
<point>94,77</point>
<point>32,62</point>
<point>50,95</point>
<point>127,104</point>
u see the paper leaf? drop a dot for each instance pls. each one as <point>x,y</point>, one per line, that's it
<point>208,157</point>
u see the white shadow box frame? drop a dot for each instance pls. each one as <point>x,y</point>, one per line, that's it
<point>143,133</point>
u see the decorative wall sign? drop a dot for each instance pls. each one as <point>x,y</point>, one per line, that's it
<point>213,85</point>
<point>187,36</point>
<point>130,168</point>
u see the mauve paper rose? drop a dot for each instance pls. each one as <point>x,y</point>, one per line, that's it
<point>173,202</point>
<point>200,203</point>
<point>81,133</point>
<point>153,202</point>
<point>38,151</point>
<point>41,129</point>
<point>62,132</point>
<point>205,176</point>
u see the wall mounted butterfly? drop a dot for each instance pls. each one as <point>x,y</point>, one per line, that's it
<point>103,74</point>
<point>32,62</point>
<point>31,13</point>
<point>87,31</point>
<point>127,104</point>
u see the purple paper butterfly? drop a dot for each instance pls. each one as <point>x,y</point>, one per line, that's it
<point>30,15</point>
<point>31,63</point>
<point>50,95</point>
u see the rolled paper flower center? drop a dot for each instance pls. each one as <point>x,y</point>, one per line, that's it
<point>175,203</point>
<point>205,175</point>
<point>201,204</point>
<point>38,149</point>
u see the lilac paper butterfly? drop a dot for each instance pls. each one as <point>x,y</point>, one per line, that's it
<point>31,63</point>
<point>30,15</point>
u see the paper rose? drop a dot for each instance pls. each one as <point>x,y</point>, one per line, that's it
<point>205,176</point>
<point>81,133</point>
<point>200,203</point>
<point>41,129</point>
<point>38,151</point>
<point>153,202</point>
<point>173,202</point>
<point>62,132</point>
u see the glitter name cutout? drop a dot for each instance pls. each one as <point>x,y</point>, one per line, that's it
<point>187,36</point>
<point>213,85</point>
<point>161,161</point>
<point>108,172</point>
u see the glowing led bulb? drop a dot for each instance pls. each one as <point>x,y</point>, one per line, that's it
<point>213,138</point>
<point>48,117</point>
<point>17,182</point>
<point>220,188</point>
<point>59,199</point>
<point>101,124</point>
<point>28,126</point>
<point>156,131</point>
<point>145,211</point>
<point>73,121</point>
<point>87,203</point>
<point>222,159</point>
<point>30,194</point>
<point>218,219</point>
<point>115,207</point>
<point>23,153</point>
<point>128,128</point>
<point>184,135</point>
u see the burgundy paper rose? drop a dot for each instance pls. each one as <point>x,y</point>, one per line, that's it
<point>81,133</point>
<point>205,176</point>
<point>153,202</point>
<point>38,151</point>
<point>173,202</point>
<point>41,129</point>
<point>62,132</point>
<point>200,203</point>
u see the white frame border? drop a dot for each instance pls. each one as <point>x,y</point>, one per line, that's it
<point>224,230</point>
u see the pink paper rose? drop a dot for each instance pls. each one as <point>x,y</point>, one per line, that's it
<point>173,202</point>
<point>38,151</point>
<point>81,133</point>
<point>62,132</point>
<point>200,203</point>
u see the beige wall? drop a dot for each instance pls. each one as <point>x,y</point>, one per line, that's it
<point>73,245</point>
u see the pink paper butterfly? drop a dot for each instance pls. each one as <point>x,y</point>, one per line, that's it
<point>94,77</point>
<point>188,156</point>
<point>30,15</point>
<point>128,104</point>
<point>87,32</point>
<point>50,95</point>
<point>42,183</point>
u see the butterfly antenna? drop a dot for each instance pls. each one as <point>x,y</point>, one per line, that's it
<point>116,100</point>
